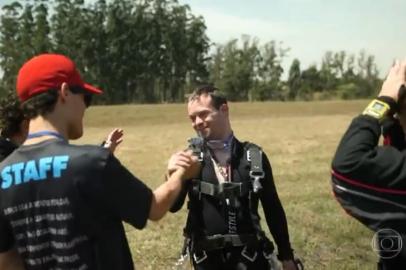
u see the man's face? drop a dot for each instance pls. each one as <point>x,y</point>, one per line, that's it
<point>207,120</point>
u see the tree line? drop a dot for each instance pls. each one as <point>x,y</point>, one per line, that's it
<point>153,51</point>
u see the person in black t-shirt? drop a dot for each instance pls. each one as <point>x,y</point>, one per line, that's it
<point>62,205</point>
<point>13,132</point>
<point>222,229</point>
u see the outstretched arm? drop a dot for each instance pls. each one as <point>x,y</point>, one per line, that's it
<point>166,194</point>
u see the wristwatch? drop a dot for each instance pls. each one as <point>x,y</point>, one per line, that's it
<point>377,109</point>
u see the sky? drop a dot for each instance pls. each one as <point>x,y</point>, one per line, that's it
<point>310,27</point>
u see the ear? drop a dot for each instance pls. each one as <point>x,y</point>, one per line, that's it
<point>224,108</point>
<point>64,92</point>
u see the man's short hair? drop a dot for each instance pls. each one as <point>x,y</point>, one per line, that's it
<point>11,115</point>
<point>41,104</point>
<point>217,97</point>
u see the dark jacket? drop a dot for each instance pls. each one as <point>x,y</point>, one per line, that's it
<point>369,180</point>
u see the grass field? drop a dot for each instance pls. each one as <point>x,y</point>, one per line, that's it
<point>300,140</point>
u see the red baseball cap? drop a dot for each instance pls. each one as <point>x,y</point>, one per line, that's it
<point>48,71</point>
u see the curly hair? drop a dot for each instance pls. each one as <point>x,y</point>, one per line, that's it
<point>11,115</point>
<point>41,104</point>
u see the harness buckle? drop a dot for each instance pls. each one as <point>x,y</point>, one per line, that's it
<point>199,259</point>
<point>299,264</point>
<point>267,255</point>
<point>272,260</point>
<point>230,192</point>
<point>249,257</point>
<point>257,174</point>
<point>256,184</point>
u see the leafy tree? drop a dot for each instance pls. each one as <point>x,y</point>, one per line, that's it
<point>294,80</point>
<point>10,54</point>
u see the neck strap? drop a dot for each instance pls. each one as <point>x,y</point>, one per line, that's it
<point>219,144</point>
<point>45,133</point>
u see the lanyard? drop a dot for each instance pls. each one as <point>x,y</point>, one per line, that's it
<point>45,133</point>
<point>218,144</point>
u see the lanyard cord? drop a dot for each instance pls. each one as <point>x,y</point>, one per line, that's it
<point>45,133</point>
<point>218,144</point>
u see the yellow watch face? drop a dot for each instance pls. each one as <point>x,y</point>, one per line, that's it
<point>378,106</point>
<point>376,109</point>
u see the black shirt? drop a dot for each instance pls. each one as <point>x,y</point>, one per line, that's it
<point>7,240</point>
<point>6,148</point>
<point>63,204</point>
<point>213,219</point>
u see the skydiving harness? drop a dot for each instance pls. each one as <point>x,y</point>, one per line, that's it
<point>228,193</point>
<point>231,191</point>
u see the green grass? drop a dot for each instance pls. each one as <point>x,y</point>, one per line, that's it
<point>300,139</point>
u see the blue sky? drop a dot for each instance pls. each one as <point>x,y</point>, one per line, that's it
<point>310,27</point>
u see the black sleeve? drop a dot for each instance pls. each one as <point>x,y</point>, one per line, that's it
<point>127,196</point>
<point>274,213</point>
<point>393,134</point>
<point>7,237</point>
<point>119,194</point>
<point>359,157</point>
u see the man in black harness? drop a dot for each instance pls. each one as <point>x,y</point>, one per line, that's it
<point>369,180</point>
<point>223,229</point>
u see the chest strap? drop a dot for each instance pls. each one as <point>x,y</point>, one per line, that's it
<point>226,188</point>
<point>220,241</point>
<point>228,191</point>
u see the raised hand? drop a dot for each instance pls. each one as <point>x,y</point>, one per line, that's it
<point>114,138</point>
<point>395,79</point>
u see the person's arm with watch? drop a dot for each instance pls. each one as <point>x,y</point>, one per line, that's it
<point>359,155</point>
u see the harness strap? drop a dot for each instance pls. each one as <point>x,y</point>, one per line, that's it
<point>227,189</point>
<point>220,241</point>
<point>254,157</point>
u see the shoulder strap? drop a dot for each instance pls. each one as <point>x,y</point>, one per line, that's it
<point>254,158</point>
